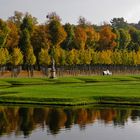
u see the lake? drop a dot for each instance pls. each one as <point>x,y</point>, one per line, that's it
<point>69,123</point>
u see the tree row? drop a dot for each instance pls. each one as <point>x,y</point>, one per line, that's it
<point>24,41</point>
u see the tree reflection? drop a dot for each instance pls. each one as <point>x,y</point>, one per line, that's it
<point>25,120</point>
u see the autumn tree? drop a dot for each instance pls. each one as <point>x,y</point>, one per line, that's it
<point>105,57</point>
<point>30,60</point>
<point>116,57</point>
<point>107,39</point>
<point>60,56</point>
<point>85,56</point>
<point>17,18</point>
<point>44,57</point>
<point>40,40</point>
<point>72,57</point>
<point>13,36</point>
<point>117,40</point>
<point>4,31</point>
<point>94,57</point>
<point>4,58</point>
<point>80,37</point>
<point>83,22</point>
<point>92,37</point>
<point>16,60</point>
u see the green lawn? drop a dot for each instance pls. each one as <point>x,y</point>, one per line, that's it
<point>71,90</point>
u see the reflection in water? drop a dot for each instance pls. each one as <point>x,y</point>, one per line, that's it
<point>22,121</point>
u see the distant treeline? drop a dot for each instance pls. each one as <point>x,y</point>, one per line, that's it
<point>25,42</point>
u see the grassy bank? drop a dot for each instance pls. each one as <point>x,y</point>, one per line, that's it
<point>71,90</point>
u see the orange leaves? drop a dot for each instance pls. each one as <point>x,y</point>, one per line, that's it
<point>92,37</point>
<point>80,37</point>
<point>13,37</point>
<point>107,39</point>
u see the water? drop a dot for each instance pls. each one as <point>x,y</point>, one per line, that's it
<point>73,123</point>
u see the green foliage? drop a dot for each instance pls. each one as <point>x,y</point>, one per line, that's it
<point>56,31</point>
<point>119,23</point>
<point>24,41</point>
<point>68,43</point>
<point>135,39</point>
<point>125,39</point>
<point>28,23</point>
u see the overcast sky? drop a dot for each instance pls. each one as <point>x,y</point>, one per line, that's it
<point>95,11</point>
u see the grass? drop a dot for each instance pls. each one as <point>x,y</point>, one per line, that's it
<point>71,90</point>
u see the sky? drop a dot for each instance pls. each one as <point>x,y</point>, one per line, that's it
<point>95,11</point>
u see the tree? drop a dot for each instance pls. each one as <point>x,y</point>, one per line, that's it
<point>117,40</point>
<point>28,23</point>
<point>62,58</point>
<point>16,57</point>
<point>24,42</point>
<point>30,60</point>
<point>16,60</point>
<point>83,22</point>
<point>92,37</point>
<point>4,31</point>
<point>13,36</point>
<point>44,57</point>
<point>94,57</point>
<point>125,39</point>
<point>107,39</point>
<point>17,18</point>
<point>56,31</point>
<point>80,37</point>
<point>68,43</point>
<point>40,40</point>
<point>119,23</point>
<point>116,58</point>
<point>70,57</point>
<point>27,28</point>
<point>135,39</point>
<point>105,57</point>
<point>85,56</point>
